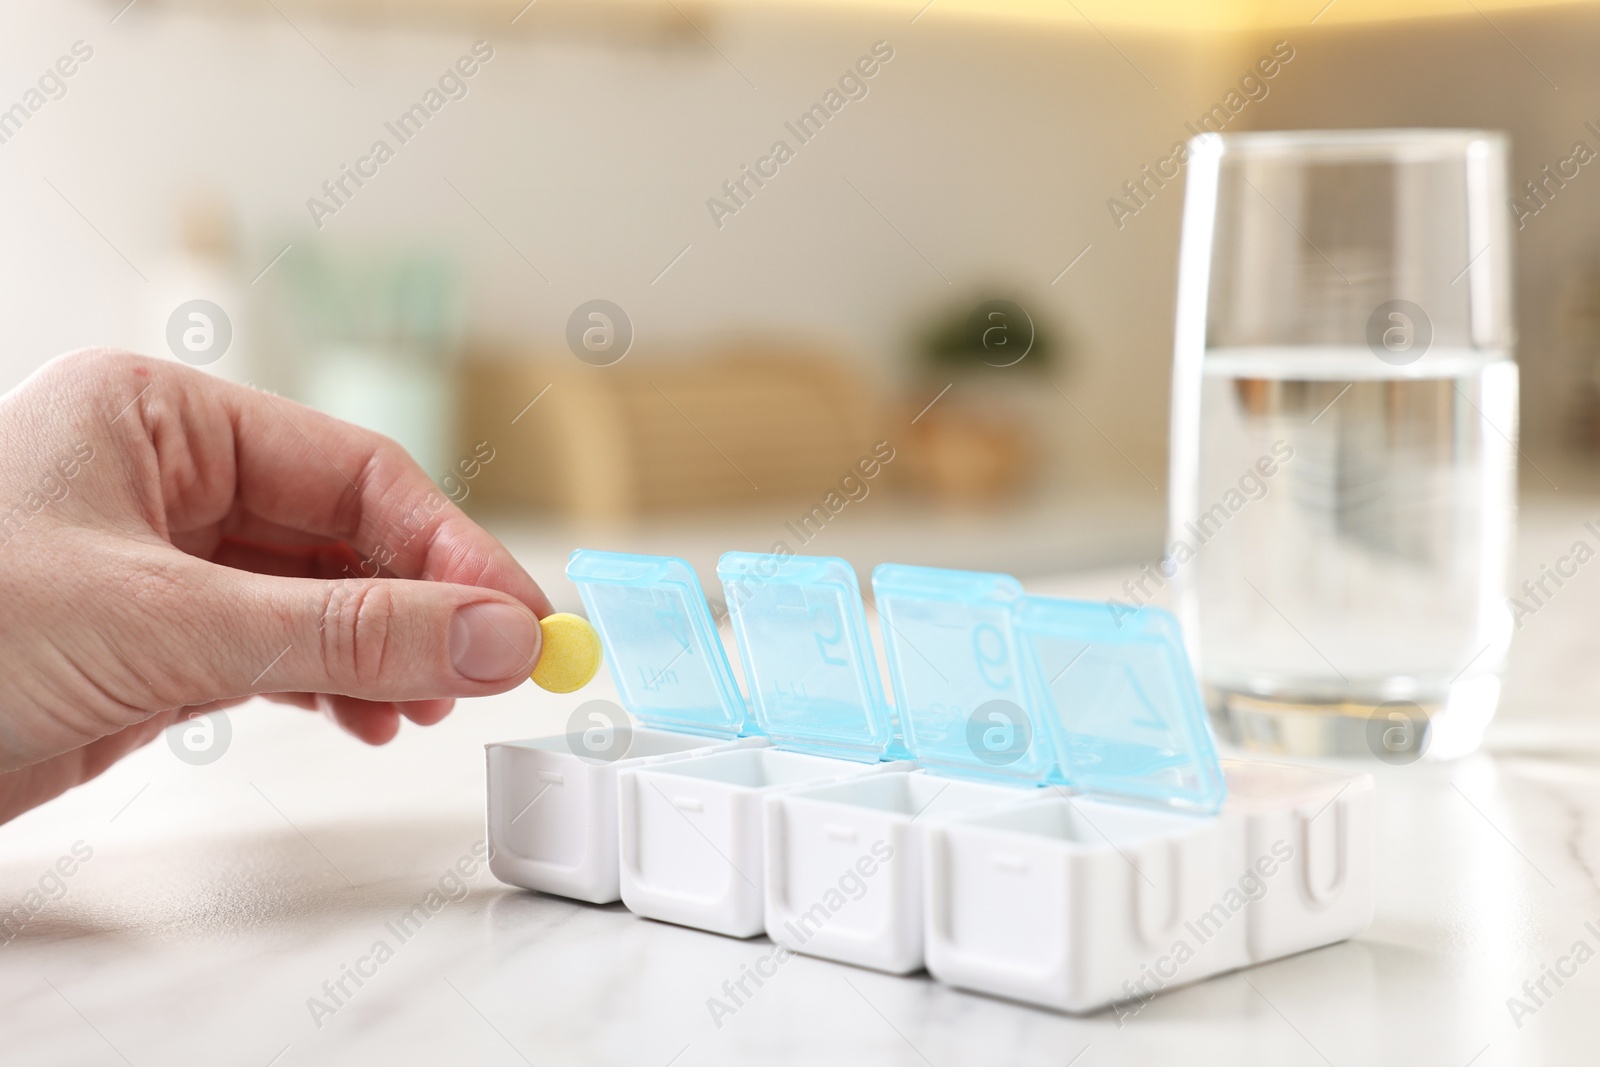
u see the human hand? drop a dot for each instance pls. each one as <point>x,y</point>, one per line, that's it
<point>171,543</point>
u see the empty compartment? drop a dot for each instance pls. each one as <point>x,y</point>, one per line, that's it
<point>1071,903</point>
<point>844,863</point>
<point>692,830</point>
<point>552,810</point>
<point>1307,854</point>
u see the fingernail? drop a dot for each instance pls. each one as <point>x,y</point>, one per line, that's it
<point>493,642</point>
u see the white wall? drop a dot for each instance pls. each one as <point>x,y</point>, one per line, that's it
<point>991,150</point>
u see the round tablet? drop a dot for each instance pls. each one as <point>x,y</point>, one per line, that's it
<point>570,657</point>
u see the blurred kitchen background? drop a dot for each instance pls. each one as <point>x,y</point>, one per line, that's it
<point>839,316</point>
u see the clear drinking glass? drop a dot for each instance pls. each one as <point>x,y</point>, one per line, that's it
<point>1344,423</point>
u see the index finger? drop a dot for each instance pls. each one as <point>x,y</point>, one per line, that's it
<point>301,468</point>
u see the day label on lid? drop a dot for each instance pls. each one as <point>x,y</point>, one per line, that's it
<point>954,665</point>
<point>1119,697</point>
<point>660,641</point>
<point>807,654</point>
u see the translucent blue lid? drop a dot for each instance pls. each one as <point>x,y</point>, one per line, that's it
<point>661,644</point>
<point>956,671</point>
<point>1119,699</point>
<point>807,654</point>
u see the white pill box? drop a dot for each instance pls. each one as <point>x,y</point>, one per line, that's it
<point>1124,902</point>
<point>693,832</point>
<point>1070,840</point>
<point>552,805</point>
<point>1073,840</point>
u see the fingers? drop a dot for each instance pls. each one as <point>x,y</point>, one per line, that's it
<point>421,712</point>
<point>260,484</point>
<point>328,560</point>
<point>380,640</point>
<point>377,722</point>
<point>373,722</point>
<point>426,712</point>
<point>197,452</point>
<point>299,468</point>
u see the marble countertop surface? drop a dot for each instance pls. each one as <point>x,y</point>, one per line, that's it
<point>207,906</point>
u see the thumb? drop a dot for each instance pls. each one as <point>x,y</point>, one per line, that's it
<point>377,639</point>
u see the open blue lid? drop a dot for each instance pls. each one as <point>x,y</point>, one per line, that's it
<point>956,670</point>
<point>660,642</point>
<point>1116,693</point>
<point>807,654</point>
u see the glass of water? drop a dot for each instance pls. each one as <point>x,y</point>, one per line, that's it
<point>1344,424</point>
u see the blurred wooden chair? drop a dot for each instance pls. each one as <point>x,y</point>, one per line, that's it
<point>649,436</point>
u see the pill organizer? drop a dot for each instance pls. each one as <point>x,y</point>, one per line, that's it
<point>944,632</point>
<point>693,831</point>
<point>960,669</point>
<point>1066,835</point>
<point>1075,904</point>
<point>1142,862</point>
<point>552,801</point>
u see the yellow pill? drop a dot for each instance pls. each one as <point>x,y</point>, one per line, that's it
<point>570,657</point>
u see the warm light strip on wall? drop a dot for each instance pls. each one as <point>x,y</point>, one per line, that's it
<point>1185,15</point>
<point>1090,16</point>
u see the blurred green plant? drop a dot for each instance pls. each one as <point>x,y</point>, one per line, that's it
<point>996,333</point>
<point>407,300</point>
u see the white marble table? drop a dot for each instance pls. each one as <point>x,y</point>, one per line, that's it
<point>219,899</point>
